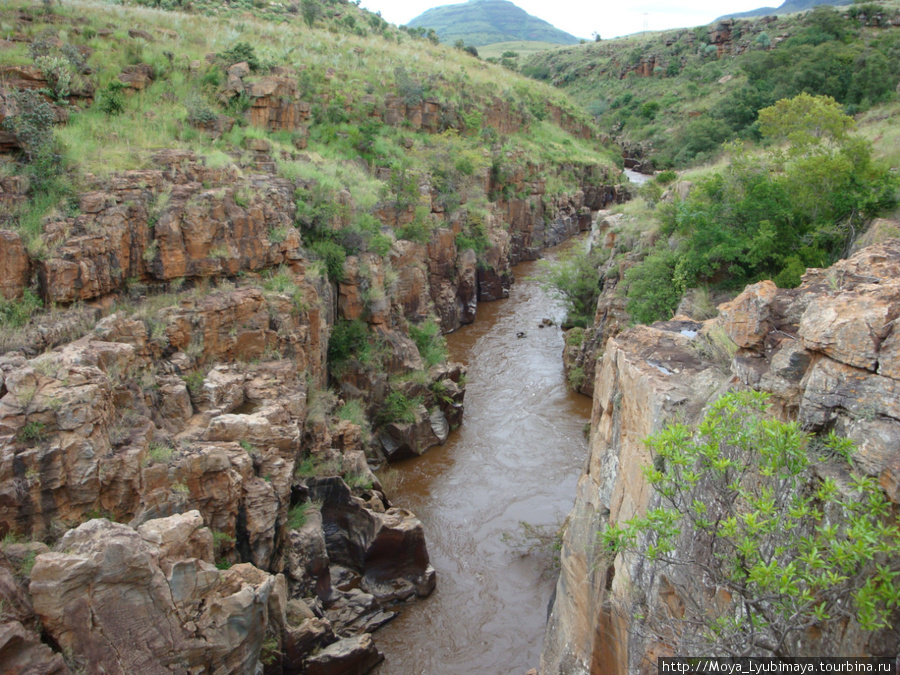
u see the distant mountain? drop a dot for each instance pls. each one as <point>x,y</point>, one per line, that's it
<point>788,7</point>
<point>484,22</point>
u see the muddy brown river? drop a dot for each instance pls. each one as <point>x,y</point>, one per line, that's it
<point>515,458</point>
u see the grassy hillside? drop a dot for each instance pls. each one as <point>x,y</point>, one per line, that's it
<point>345,62</point>
<point>681,94</point>
<point>522,48</point>
<point>787,7</point>
<point>483,22</point>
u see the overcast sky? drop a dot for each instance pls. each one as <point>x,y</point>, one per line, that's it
<point>610,18</point>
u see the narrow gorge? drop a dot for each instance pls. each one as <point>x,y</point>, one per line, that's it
<point>285,388</point>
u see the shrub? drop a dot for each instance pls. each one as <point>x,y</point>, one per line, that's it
<point>32,432</point>
<point>111,100</point>
<point>348,338</point>
<point>16,313</point>
<point>743,508</point>
<point>650,288</point>
<point>430,342</point>
<point>310,10</point>
<point>242,51</point>
<point>398,409</point>
<point>333,255</point>
<point>577,282</point>
<point>576,378</point>
<point>33,126</point>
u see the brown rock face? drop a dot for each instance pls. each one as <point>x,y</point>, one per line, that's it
<point>747,319</point>
<point>116,600</point>
<point>77,425</point>
<point>159,225</point>
<point>15,267</point>
<point>276,106</point>
<point>137,77</point>
<point>22,653</point>
<point>824,351</point>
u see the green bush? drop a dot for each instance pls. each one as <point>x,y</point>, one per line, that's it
<point>242,51</point>
<point>333,255</point>
<point>430,342</point>
<point>650,288</point>
<point>32,432</point>
<point>33,126</point>
<point>111,100</point>
<point>577,281</point>
<point>16,313</point>
<point>398,409</point>
<point>348,339</point>
<point>742,507</point>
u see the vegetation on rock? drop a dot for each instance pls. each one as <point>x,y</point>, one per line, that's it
<point>776,522</point>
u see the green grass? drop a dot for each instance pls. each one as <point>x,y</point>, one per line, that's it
<point>158,453</point>
<point>524,48</point>
<point>430,342</point>
<point>298,515</point>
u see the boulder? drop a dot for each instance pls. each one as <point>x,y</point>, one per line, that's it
<point>748,318</point>
<point>23,653</point>
<point>105,598</point>
<point>350,656</point>
<point>137,77</point>
<point>387,549</point>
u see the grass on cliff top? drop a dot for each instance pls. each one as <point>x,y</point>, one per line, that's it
<point>334,71</point>
<point>335,67</point>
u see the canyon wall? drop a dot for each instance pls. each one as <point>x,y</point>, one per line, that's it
<point>825,352</point>
<point>170,426</point>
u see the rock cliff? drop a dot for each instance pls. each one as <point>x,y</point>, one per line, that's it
<point>193,386</point>
<point>825,354</point>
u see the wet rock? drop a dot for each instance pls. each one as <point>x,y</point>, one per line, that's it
<point>350,656</point>
<point>387,549</point>
<point>307,564</point>
<point>356,612</point>
<point>409,439</point>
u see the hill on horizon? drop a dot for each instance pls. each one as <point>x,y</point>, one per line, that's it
<point>484,22</point>
<point>787,7</point>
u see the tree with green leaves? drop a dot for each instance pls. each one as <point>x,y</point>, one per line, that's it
<point>310,10</point>
<point>576,281</point>
<point>764,532</point>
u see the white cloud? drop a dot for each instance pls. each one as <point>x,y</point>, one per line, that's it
<point>610,19</point>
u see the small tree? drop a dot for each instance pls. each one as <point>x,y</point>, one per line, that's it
<point>33,125</point>
<point>760,545</point>
<point>577,282</point>
<point>310,9</point>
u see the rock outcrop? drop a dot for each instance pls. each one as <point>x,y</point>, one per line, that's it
<point>824,352</point>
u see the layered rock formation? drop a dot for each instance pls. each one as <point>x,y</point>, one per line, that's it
<point>825,354</point>
<point>202,395</point>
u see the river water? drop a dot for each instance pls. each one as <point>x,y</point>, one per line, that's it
<point>516,457</point>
